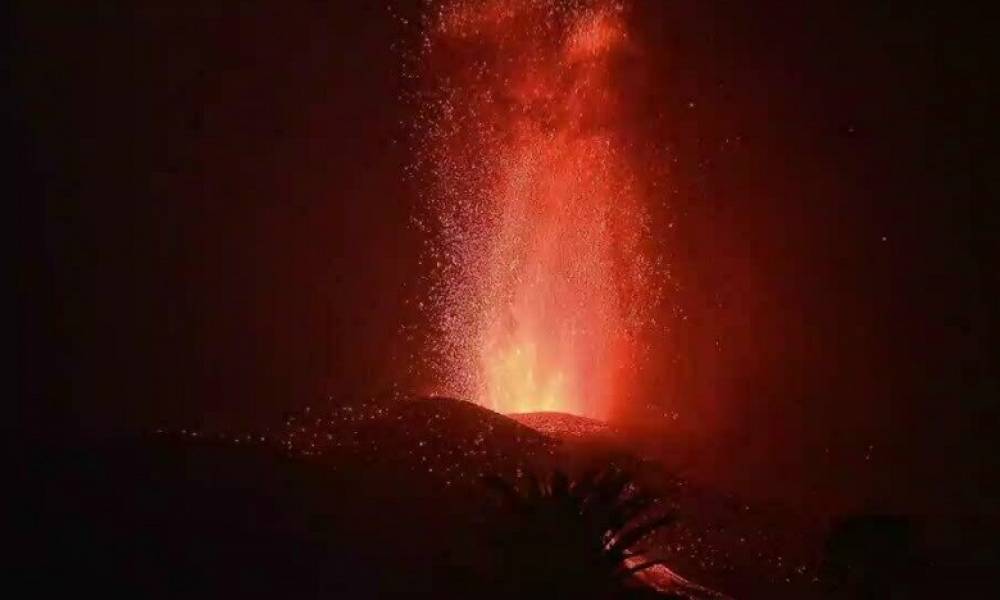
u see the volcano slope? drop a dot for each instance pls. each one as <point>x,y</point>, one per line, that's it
<point>373,498</point>
<point>378,497</point>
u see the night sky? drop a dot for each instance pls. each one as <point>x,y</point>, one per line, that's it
<point>213,228</point>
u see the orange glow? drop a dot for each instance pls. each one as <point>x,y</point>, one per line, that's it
<point>541,285</point>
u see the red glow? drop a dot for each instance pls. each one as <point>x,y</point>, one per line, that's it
<point>541,284</point>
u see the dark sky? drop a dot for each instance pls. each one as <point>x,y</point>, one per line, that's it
<point>212,225</point>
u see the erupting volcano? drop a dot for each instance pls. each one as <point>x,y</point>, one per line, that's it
<point>542,281</point>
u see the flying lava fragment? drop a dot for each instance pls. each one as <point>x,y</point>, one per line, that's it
<point>542,282</point>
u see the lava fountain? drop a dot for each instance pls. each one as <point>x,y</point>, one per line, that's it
<point>542,283</point>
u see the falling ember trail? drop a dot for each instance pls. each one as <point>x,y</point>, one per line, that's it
<point>542,284</point>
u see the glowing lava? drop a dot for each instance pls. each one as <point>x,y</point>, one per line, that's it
<point>541,284</point>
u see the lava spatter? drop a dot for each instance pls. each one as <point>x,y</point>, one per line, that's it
<point>542,282</point>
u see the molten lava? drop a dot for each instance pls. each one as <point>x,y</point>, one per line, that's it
<point>541,285</point>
